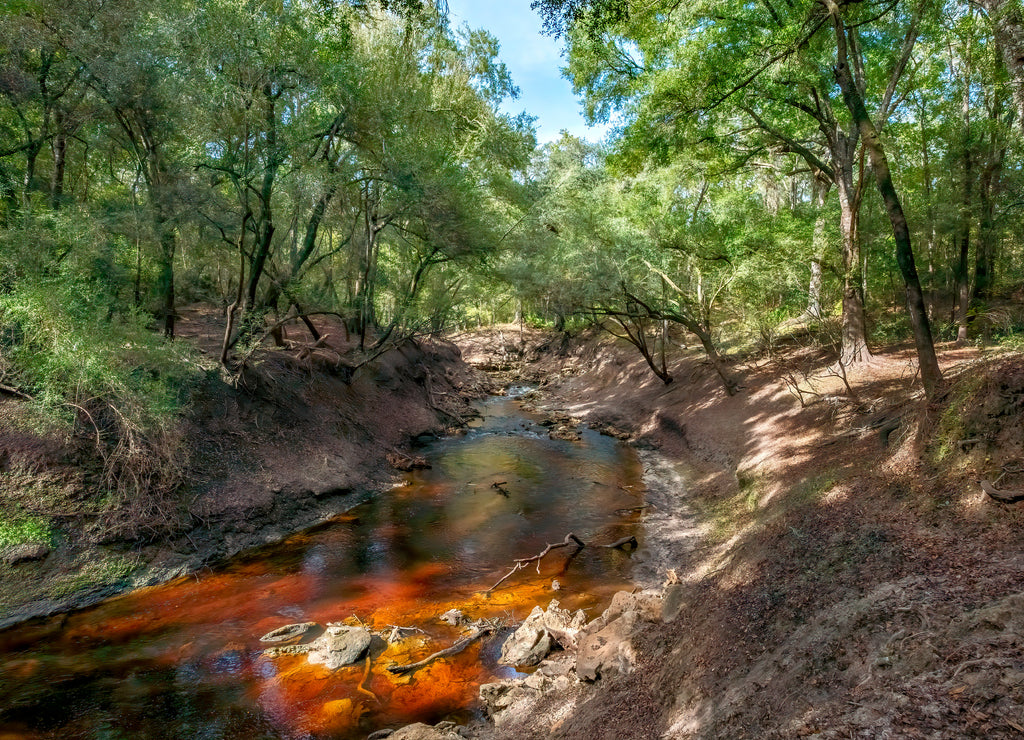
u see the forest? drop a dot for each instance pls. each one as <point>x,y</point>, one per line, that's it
<point>854,168</point>
<point>266,264</point>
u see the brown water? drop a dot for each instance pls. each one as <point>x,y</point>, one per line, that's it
<point>183,660</point>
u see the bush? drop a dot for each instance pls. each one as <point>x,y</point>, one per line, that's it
<point>93,368</point>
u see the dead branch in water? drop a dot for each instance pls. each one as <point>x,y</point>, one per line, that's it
<point>522,563</point>
<point>456,648</point>
<point>570,539</point>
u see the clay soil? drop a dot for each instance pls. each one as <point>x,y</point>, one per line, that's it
<point>851,578</point>
<point>298,438</point>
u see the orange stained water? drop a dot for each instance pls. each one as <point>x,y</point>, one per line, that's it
<point>184,660</point>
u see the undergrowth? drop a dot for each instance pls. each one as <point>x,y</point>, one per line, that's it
<point>89,366</point>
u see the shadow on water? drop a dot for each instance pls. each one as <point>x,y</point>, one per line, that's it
<point>183,660</point>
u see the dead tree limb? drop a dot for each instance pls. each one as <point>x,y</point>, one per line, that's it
<point>523,562</point>
<point>456,648</point>
<point>1003,497</point>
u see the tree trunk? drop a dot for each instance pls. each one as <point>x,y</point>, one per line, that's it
<point>931,375</point>
<point>60,151</point>
<point>821,189</point>
<point>1007,20</point>
<point>854,329</point>
<point>963,278</point>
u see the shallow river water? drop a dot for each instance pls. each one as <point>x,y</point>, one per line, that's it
<point>184,660</point>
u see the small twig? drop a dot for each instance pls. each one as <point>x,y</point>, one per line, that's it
<point>458,647</point>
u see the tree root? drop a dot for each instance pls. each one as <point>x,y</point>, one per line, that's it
<point>1003,497</point>
<point>456,648</point>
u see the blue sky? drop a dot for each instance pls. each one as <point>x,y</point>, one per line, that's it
<point>534,61</point>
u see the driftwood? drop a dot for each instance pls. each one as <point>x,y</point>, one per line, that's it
<point>1003,497</point>
<point>456,648</point>
<point>570,539</point>
<point>521,563</point>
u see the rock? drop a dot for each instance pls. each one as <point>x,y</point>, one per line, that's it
<point>291,632</point>
<point>539,634</point>
<point>511,700</point>
<point>340,646</point>
<point>673,601</point>
<point>527,646</point>
<point>454,617</point>
<point>608,651</point>
<point>24,553</point>
<point>275,652</point>
<point>440,731</point>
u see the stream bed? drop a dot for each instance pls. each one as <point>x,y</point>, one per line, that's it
<point>184,659</point>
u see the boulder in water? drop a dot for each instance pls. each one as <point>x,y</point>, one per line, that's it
<point>340,646</point>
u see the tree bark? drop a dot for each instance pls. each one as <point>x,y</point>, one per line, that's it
<point>931,375</point>
<point>1007,20</point>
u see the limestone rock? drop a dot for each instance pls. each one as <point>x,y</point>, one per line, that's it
<point>440,731</point>
<point>510,701</point>
<point>279,650</point>
<point>539,634</point>
<point>290,632</point>
<point>339,646</point>
<point>608,651</point>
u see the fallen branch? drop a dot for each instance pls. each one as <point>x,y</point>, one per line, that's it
<point>458,647</point>
<point>1003,497</point>
<point>12,391</point>
<point>523,562</point>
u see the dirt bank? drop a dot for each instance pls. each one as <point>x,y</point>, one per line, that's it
<point>851,579</point>
<point>300,439</point>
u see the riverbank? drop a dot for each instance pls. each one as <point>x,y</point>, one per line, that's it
<point>296,440</point>
<point>852,579</point>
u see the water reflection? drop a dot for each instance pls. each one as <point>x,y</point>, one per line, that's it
<point>184,660</point>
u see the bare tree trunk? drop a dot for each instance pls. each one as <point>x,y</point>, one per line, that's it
<point>963,278</point>
<point>821,188</point>
<point>931,375</point>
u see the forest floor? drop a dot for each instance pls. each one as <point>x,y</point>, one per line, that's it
<point>851,578</point>
<point>299,438</point>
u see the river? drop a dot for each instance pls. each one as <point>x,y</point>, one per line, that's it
<point>184,660</point>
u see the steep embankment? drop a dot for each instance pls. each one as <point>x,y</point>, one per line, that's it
<point>852,579</point>
<point>297,439</point>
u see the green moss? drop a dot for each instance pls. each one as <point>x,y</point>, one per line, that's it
<point>101,570</point>
<point>19,528</point>
<point>952,425</point>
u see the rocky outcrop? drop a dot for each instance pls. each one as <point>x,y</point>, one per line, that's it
<point>420,731</point>
<point>591,652</point>
<point>540,633</point>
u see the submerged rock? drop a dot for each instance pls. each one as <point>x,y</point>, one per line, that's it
<point>291,632</point>
<point>340,646</point>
